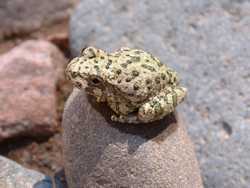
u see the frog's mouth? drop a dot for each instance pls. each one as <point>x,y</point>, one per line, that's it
<point>96,88</point>
<point>96,92</point>
<point>79,83</point>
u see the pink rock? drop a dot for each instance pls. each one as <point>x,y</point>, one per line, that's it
<point>28,77</point>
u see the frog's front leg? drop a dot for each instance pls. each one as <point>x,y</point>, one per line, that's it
<point>162,104</point>
<point>123,111</point>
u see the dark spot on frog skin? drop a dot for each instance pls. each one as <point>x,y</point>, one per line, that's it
<point>108,64</point>
<point>135,59</point>
<point>129,62</point>
<point>124,65</point>
<point>135,73</point>
<point>119,71</point>
<point>119,81</point>
<point>74,74</point>
<point>86,67</point>
<point>97,68</point>
<point>128,79</point>
<point>80,76</point>
<point>158,108</point>
<point>163,76</point>
<point>148,67</point>
<point>95,61</point>
<point>138,52</point>
<point>157,79</point>
<point>136,87</point>
<point>102,57</point>
<point>169,75</point>
<point>148,81</point>
<point>174,79</point>
<point>154,104</point>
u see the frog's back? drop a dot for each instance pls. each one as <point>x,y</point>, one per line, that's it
<point>138,74</point>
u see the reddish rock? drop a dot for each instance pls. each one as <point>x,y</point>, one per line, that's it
<point>28,77</point>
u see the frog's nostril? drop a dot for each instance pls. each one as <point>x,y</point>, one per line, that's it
<point>74,74</point>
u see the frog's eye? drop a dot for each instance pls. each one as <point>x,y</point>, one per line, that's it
<point>89,52</point>
<point>95,81</point>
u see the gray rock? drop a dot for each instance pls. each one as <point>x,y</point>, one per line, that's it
<point>19,17</point>
<point>208,43</point>
<point>13,175</point>
<point>102,153</point>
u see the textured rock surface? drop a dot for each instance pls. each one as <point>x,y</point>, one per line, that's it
<point>23,16</point>
<point>28,76</point>
<point>208,42</point>
<point>13,175</point>
<point>101,153</point>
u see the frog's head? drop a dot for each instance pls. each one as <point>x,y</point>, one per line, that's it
<point>85,71</point>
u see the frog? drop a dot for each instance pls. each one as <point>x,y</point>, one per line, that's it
<point>137,86</point>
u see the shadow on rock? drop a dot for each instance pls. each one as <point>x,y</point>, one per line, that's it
<point>152,130</point>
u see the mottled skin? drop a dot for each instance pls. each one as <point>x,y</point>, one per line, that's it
<point>136,85</point>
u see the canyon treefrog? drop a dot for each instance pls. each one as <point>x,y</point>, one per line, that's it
<point>135,84</point>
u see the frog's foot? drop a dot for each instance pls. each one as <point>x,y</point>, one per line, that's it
<point>126,119</point>
<point>162,104</point>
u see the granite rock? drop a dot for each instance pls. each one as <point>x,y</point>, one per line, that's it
<point>208,43</point>
<point>28,78</point>
<point>102,153</point>
<point>13,175</point>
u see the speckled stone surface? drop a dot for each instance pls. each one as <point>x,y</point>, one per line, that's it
<point>13,175</point>
<point>28,77</point>
<point>208,43</point>
<point>101,153</point>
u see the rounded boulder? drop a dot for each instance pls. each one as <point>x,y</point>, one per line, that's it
<point>102,153</point>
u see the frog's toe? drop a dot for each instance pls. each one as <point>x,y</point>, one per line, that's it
<point>147,113</point>
<point>133,119</point>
